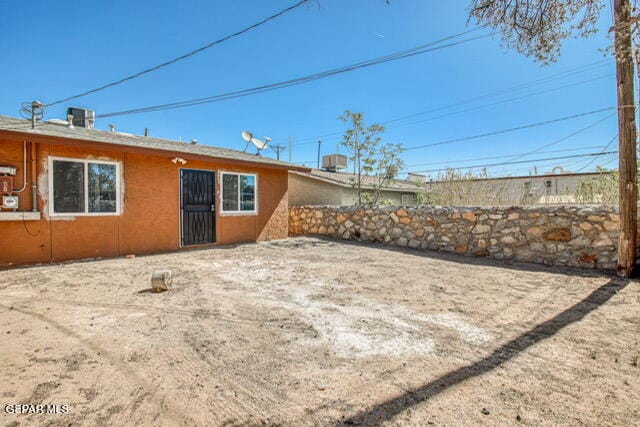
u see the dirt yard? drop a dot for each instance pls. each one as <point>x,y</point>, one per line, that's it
<point>316,332</point>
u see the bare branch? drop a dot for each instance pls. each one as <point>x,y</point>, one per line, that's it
<point>537,28</point>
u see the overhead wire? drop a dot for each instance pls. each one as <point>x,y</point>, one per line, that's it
<point>527,85</point>
<point>596,158</point>
<point>512,158</point>
<point>527,126</point>
<point>181,57</point>
<point>493,94</point>
<point>604,160</point>
<point>537,167</point>
<point>453,113</point>
<point>480,107</point>
<point>571,135</point>
<point>517,162</point>
<point>509,130</point>
<point>564,150</point>
<point>419,50</point>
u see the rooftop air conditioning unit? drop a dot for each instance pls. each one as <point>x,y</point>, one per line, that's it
<point>334,162</point>
<point>81,117</point>
<point>416,177</point>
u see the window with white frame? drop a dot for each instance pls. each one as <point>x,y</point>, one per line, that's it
<point>84,187</point>
<point>239,193</point>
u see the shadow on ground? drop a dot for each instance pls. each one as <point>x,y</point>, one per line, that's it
<point>385,411</point>
<point>457,258</point>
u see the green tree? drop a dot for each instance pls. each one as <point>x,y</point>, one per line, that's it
<point>459,188</point>
<point>373,161</point>
<point>600,190</point>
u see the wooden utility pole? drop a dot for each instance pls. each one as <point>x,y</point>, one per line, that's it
<point>278,148</point>
<point>627,139</point>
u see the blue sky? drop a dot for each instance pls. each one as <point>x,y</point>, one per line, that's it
<point>51,50</point>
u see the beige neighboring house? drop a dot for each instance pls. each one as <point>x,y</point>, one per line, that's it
<point>322,187</point>
<point>550,188</point>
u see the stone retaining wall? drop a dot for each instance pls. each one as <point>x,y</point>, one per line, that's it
<point>573,236</point>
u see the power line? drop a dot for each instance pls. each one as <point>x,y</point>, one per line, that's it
<point>596,158</point>
<point>513,129</point>
<point>518,87</point>
<point>527,85</point>
<point>528,153</point>
<point>305,162</point>
<point>419,50</point>
<point>579,162</point>
<point>538,166</point>
<point>504,101</point>
<point>317,76</point>
<point>486,158</point>
<point>603,161</point>
<point>537,150</point>
<point>181,57</point>
<point>517,162</point>
<point>564,150</point>
<point>466,110</point>
<point>571,135</point>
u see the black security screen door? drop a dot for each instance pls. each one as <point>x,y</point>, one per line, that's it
<point>197,204</point>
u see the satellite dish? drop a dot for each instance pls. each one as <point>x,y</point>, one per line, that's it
<point>260,145</point>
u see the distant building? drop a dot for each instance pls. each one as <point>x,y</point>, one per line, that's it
<point>326,187</point>
<point>322,187</point>
<point>550,188</point>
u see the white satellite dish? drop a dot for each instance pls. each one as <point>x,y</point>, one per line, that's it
<point>260,145</point>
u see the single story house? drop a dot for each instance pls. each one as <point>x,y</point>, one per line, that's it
<point>323,187</point>
<point>555,187</point>
<point>326,187</point>
<point>71,192</point>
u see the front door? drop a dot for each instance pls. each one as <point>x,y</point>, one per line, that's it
<point>197,206</point>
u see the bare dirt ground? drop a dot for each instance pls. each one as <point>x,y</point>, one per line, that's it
<point>315,332</point>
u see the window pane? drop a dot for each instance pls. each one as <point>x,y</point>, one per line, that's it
<point>229,192</point>
<point>247,192</point>
<point>102,187</point>
<point>68,187</point>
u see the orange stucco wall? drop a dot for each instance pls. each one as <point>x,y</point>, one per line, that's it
<point>150,217</point>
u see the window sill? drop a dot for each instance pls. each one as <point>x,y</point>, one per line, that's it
<point>67,215</point>
<point>19,216</point>
<point>238,213</point>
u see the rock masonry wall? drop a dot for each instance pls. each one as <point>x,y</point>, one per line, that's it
<point>572,236</point>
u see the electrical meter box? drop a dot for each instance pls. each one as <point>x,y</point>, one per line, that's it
<point>6,184</point>
<point>10,202</point>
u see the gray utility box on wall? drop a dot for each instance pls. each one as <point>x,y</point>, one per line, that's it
<point>10,202</point>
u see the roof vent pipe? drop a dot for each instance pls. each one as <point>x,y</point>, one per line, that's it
<point>112,127</point>
<point>70,121</point>
<point>146,131</point>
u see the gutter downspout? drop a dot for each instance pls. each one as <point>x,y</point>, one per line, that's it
<point>34,183</point>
